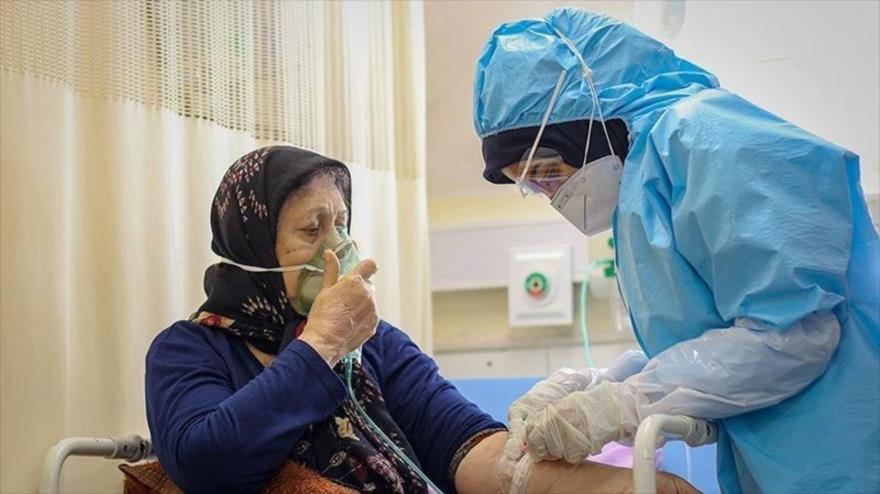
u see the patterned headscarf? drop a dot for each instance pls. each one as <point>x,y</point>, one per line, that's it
<point>244,218</point>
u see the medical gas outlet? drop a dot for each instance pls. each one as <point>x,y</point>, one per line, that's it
<point>539,291</point>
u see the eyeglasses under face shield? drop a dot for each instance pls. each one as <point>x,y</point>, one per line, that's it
<point>543,174</point>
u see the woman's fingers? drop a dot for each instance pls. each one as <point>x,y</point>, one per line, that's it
<point>331,268</point>
<point>365,269</point>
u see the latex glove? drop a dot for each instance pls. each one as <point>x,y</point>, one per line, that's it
<point>629,363</point>
<point>581,423</point>
<point>559,385</point>
<point>344,314</point>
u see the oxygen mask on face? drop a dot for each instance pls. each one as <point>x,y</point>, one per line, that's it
<point>311,278</point>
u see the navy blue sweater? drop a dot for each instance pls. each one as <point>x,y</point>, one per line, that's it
<point>220,422</point>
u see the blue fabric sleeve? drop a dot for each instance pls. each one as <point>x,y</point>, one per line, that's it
<point>760,208</point>
<point>433,415</point>
<point>211,438</point>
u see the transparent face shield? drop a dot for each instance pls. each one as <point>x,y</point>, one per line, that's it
<point>543,174</point>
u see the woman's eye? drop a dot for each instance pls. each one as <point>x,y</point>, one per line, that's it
<point>313,230</point>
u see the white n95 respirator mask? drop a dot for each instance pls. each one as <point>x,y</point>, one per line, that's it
<point>588,199</point>
<point>311,278</point>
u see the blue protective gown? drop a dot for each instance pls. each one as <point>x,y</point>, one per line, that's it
<point>726,213</point>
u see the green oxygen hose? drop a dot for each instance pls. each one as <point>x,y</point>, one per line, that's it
<point>349,362</point>
<point>608,266</point>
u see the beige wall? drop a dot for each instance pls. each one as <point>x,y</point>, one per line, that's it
<point>477,319</point>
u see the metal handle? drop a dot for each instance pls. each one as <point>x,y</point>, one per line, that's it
<point>132,448</point>
<point>694,432</point>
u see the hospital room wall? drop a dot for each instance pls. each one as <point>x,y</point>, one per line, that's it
<point>813,63</point>
<point>472,337</point>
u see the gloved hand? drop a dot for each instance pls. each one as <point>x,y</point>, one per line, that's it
<point>582,422</point>
<point>559,385</point>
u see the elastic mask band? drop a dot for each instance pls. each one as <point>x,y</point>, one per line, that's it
<point>547,113</point>
<point>282,269</point>
<point>588,75</point>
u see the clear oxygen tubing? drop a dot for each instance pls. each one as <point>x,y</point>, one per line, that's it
<point>348,361</point>
<point>607,265</point>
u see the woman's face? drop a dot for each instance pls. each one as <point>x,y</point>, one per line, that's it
<point>305,220</point>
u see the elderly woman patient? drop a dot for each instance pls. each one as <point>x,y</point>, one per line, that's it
<point>257,376</point>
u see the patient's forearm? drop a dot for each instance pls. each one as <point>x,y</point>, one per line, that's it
<point>480,472</point>
<point>477,470</point>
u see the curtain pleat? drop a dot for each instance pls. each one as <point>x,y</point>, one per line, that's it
<point>117,120</point>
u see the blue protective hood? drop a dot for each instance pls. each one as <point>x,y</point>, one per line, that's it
<point>634,74</point>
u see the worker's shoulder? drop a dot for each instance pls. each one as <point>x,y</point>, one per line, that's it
<point>723,113</point>
<point>705,106</point>
<point>725,124</point>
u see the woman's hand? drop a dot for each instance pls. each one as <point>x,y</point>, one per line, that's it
<point>344,314</point>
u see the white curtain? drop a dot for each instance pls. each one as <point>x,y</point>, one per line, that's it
<point>117,120</point>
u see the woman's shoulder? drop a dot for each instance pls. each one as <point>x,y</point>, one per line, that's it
<point>187,340</point>
<point>187,331</point>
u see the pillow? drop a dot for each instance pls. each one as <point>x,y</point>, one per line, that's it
<point>291,478</point>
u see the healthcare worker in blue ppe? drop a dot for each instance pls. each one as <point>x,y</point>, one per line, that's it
<point>746,256</point>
